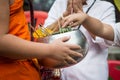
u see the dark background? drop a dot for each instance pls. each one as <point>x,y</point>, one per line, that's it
<point>43,5</point>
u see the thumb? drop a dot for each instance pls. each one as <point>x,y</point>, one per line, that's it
<point>66,13</point>
<point>65,38</point>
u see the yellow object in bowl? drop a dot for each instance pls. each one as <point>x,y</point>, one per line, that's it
<point>42,32</point>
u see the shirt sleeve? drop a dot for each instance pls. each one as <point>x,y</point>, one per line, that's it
<point>117,34</point>
<point>107,17</point>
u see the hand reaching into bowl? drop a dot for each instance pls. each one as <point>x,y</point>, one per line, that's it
<point>73,7</point>
<point>76,19</point>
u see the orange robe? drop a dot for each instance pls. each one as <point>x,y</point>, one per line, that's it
<point>18,70</point>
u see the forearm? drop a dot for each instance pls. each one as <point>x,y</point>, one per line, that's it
<point>17,48</point>
<point>98,28</point>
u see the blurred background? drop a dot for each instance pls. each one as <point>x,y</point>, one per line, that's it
<point>42,5</point>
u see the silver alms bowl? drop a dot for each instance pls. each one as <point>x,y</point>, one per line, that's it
<point>77,37</point>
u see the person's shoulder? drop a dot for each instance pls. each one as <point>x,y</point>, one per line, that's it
<point>104,3</point>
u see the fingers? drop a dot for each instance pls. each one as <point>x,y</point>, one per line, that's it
<point>74,19</point>
<point>73,46</point>
<point>66,62</point>
<point>75,50</point>
<point>61,64</point>
<point>80,50</point>
<point>70,60</point>
<point>77,5</point>
<point>75,24</point>
<point>65,38</point>
<point>73,57</point>
<point>74,53</point>
<point>66,13</point>
<point>67,20</point>
<point>70,22</point>
<point>69,7</point>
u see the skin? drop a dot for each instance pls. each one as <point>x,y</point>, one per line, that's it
<point>16,48</point>
<point>93,25</point>
<point>78,8</point>
<point>73,6</point>
<point>78,17</point>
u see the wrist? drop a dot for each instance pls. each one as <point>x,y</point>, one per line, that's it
<point>50,50</point>
<point>86,19</point>
<point>43,51</point>
<point>83,17</point>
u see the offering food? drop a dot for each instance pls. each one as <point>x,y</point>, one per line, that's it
<point>46,35</point>
<point>42,32</point>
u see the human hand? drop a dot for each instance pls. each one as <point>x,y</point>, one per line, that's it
<point>73,6</point>
<point>74,20</point>
<point>62,54</point>
<point>77,5</point>
<point>69,8</point>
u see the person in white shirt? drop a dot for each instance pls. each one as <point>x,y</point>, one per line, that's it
<point>95,26</point>
<point>94,65</point>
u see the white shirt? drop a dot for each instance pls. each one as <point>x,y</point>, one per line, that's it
<point>117,34</point>
<point>94,65</point>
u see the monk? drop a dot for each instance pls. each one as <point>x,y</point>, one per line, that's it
<point>17,51</point>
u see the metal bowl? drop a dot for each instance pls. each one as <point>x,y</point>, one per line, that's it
<point>77,37</point>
